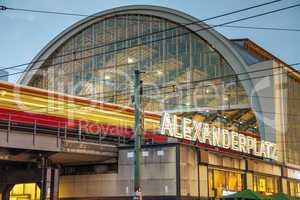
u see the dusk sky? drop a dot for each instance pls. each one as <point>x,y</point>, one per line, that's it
<point>24,34</point>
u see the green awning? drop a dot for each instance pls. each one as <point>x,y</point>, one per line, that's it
<point>245,194</point>
<point>282,196</point>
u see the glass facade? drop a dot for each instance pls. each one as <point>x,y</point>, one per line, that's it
<point>265,184</point>
<point>294,188</point>
<point>221,182</point>
<point>99,63</point>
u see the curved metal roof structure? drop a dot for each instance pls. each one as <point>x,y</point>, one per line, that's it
<point>215,39</point>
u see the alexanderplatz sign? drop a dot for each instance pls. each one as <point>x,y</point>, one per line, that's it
<point>185,128</point>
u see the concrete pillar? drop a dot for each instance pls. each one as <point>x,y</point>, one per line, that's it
<point>54,190</point>
<point>49,183</point>
<point>45,182</point>
<point>283,180</point>
<point>6,191</point>
<point>248,178</point>
<point>1,189</point>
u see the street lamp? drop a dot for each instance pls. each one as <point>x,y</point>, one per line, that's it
<point>138,132</point>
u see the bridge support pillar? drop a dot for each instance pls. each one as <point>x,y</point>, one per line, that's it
<point>5,190</point>
<point>49,183</point>
<point>45,179</point>
<point>54,184</point>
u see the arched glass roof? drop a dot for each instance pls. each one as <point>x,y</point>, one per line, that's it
<point>185,69</point>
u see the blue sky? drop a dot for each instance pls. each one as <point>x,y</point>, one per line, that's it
<point>24,34</point>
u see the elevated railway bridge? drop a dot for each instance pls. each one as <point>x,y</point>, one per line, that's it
<point>44,134</point>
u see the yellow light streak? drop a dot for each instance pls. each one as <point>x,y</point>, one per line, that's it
<point>39,105</point>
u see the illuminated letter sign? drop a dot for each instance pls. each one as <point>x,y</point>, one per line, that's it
<point>201,132</point>
<point>187,129</point>
<point>166,125</point>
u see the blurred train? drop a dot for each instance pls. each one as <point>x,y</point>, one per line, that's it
<point>27,108</point>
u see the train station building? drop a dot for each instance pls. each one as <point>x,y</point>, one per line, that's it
<point>221,115</point>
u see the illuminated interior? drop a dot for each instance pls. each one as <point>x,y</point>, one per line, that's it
<point>298,189</point>
<point>294,188</point>
<point>28,191</point>
<point>265,184</point>
<point>224,181</point>
<point>106,71</point>
<point>242,120</point>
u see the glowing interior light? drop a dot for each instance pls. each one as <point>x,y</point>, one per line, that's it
<point>107,77</point>
<point>297,174</point>
<point>130,60</point>
<point>159,72</point>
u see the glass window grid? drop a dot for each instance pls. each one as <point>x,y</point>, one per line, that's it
<point>293,188</point>
<point>179,59</point>
<point>221,180</point>
<point>265,184</point>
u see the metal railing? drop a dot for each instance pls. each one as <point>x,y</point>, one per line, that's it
<point>63,130</point>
